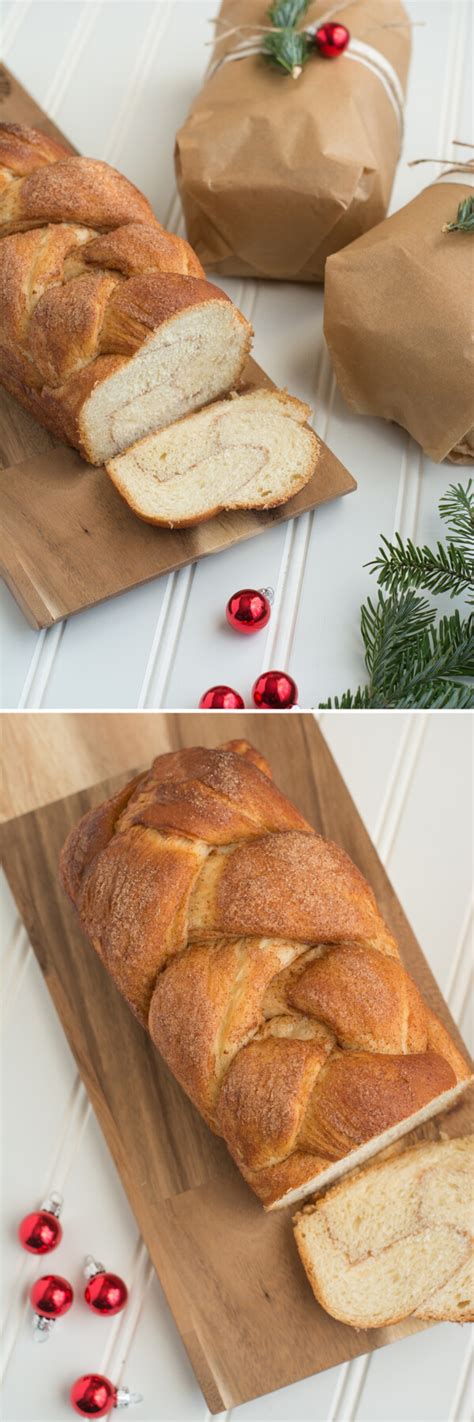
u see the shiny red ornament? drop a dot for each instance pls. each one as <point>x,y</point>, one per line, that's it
<point>105,1293</point>
<point>248,610</point>
<point>221,698</point>
<point>275,691</point>
<point>51,1297</point>
<point>331,39</point>
<point>41,1231</point>
<point>94,1396</point>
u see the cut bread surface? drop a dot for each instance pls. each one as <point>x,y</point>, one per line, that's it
<point>396,1239</point>
<point>253,450</point>
<point>189,361</point>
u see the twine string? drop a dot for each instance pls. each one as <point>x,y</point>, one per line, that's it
<point>454,165</point>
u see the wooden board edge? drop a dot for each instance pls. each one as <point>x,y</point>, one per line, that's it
<point>40,616</point>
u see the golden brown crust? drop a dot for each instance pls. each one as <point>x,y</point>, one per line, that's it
<point>368,1000</point>
<point>23,149</point>
<point>82,190</point>
<point>87,275</point>
<point>224,985</point>
<point>256,952</point>
<point>243,748</point>
<point>90,836</point>
<point>137,248</point>
<point>325,898</point>
<point>362,1094</point>
<point>214,795</point>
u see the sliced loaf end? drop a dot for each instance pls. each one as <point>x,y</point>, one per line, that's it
<point>396,1239</point>
<point>250,451</point>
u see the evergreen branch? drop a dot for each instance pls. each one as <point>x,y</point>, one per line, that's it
<point>413,659</point>
<point>457,510</point>
<point>435,697</point>
<point>450,569</point>
<point>284,14</point>
<point>465,217</point>
<point>402,565</point>
<point>288,48</point>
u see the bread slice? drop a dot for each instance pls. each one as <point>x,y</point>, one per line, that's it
<point>196,352</point>
<point>250,451</point>
<point>396,1240</point>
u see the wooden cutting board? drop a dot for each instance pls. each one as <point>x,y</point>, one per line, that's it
<point>68,539</point>
<point>231,1274</point>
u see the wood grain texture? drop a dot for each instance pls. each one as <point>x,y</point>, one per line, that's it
<point>231,1275</point>
<point>50,755</point>
<point>69,540</point>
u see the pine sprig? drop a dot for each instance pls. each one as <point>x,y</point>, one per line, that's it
<point>465,217</point>
<point>401,565</point>
<point>412,659</point>
<point>286,46</point>
<point>457,511</point>
<point>450,569</point>
<point>284,14</point>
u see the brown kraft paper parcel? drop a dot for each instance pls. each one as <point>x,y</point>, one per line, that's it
<point>398,323</point>
<point>276,173</point>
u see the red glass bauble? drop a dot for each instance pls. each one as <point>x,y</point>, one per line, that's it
<point>275,691</point>
<point>331,39</point>
<point>51,1296</point>
<point>248,610</point>
<point>93,1395</point>
<point>40,1232</point>
<point>221,698</point>
<point>106,1293</point>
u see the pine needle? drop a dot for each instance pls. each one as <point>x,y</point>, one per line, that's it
<point>289,49</point>
<point>465,217</point>
<point>285,46</point>
<point>413,659</point>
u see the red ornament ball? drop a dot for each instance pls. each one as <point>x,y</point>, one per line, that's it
<point>106,1293</point>
<point>331,40</point>
<point>51,1296</point>
<point>275,691</point>
<point>221,698</point>
<point>40,1232</point>
<point>248,610</point>
<point>93,1395</point>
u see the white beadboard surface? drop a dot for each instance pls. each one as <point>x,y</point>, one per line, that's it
<point>118,77</point>
<point>410,776</point>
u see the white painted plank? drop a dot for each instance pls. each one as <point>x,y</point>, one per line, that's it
<point>416,1378</point>
<point>357,740</point>
<point>442,864</point>
<point>101,661</point>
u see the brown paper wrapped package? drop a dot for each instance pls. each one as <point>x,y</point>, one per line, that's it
<point>276,174</point>
<point>398,323</point>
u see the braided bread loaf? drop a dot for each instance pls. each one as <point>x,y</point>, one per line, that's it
<point>109,326</point>
<point>255,952</point>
